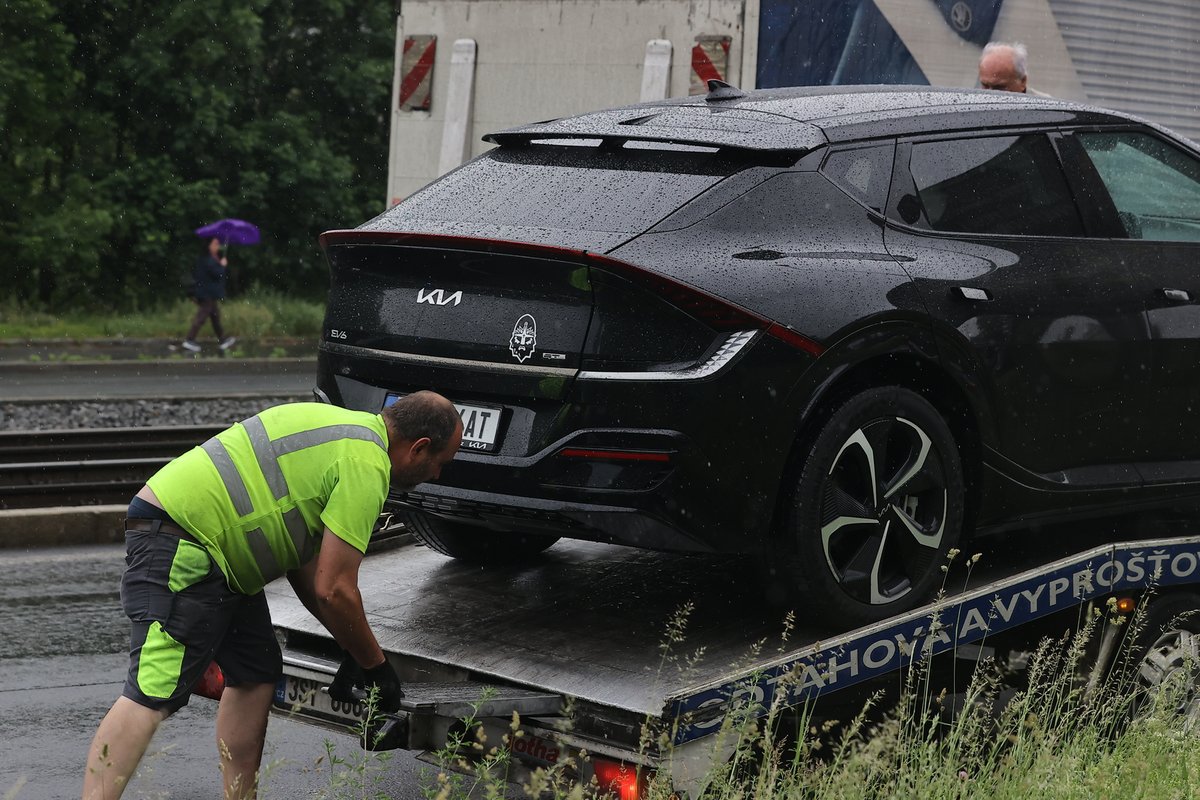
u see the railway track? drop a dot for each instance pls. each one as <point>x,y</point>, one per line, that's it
<point>89,466</point>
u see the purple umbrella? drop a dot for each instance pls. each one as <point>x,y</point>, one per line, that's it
<point>230,231</point>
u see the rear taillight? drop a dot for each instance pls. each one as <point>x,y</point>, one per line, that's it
<point>796,340</point>
<point>211,683</point>
<point>712,311</point>
<point>622,781</point>
<point>715,313</point>
<point>718,314</point>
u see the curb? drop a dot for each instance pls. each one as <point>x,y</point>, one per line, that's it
<point>66,350</point>
<point>67,526</point>
<point>120,341</point>
<point>293,363</point>
<point>62,526</point>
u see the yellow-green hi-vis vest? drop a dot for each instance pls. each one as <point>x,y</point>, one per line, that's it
<point>259,495</point>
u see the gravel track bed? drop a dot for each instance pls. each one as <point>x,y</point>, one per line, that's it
<point>57,415</point>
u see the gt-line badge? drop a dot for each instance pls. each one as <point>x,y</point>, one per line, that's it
<point>524,338</point>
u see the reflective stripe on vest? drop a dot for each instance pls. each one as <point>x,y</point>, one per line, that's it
<point>267,453</point>
<point>230,476</point>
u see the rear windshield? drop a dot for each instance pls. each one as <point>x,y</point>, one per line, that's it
<point>564,187</point>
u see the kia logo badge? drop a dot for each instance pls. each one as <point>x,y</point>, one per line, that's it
<point>438,297</point>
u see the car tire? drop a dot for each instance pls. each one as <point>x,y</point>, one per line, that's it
<point>877,506</point>
<point>1166,649</point>
<point>476,545</point>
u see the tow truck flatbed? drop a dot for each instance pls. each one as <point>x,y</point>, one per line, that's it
<point>585,621</point>
<point>589,622</point>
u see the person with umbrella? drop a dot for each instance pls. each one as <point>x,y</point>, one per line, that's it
<point>208,278</point>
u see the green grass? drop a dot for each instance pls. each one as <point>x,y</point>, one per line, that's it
<point>259,314</point>
<point>1054,739</point>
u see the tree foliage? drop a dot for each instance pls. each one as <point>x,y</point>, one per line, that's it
<point>126,124</point>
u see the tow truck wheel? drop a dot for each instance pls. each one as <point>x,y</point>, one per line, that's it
<point>878,505</point>
<point>476,545</point>
<point>1168,669</point>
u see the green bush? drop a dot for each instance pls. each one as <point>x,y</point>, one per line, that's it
<point>259,314</point>
<point>250,320</point>
<point>292,316</point>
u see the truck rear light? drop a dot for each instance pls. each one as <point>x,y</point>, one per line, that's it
<point>211,683</point>
<point>622,781</point>
<point>614,455</point>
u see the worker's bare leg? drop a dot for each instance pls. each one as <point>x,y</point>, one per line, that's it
<point>241,730</point>
<point>117,747</point>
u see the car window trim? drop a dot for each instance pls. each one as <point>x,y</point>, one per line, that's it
<point>1099,216</point>
<point>830,152</point>
<point>903,183</point>
<point>1090,167</point>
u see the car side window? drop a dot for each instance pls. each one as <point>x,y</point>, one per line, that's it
<point>1154,186</point>
<point>863,172</point>
<point>998,184</point>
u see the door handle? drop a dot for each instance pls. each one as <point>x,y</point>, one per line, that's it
<point>1177,295</point>
<point>973,293</point>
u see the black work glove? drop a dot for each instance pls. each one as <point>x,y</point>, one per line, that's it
<point>384,677</point>
<point>349,676</point>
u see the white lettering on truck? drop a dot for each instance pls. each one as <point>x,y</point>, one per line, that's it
<point>849,662</point>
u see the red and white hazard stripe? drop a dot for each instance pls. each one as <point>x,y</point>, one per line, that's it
<point>416,73</point>
<point>710,61</point>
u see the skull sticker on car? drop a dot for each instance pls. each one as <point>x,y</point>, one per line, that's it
<point>524,338</point>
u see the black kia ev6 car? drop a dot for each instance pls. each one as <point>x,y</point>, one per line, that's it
<point>837,327</point>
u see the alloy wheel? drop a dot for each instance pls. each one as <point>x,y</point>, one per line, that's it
<point>883,510</point>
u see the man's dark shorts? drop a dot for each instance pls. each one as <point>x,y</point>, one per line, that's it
<point>185,616</point>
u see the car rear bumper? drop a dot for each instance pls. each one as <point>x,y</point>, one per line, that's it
<point>684,465</point>
<point>592,521</point>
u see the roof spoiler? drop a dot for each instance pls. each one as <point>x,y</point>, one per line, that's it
<point>519,138</point>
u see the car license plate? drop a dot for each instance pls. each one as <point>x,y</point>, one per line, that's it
<point>307,698</point>
<point>481,424</point>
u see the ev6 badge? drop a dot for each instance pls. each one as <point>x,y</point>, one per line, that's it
<point>524,338</point>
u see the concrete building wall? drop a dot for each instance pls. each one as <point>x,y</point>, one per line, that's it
<point>542,59</point>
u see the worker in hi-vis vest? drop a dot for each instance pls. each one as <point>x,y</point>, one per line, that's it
<point>295,491</point>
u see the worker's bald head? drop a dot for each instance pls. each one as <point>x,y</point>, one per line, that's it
<point>423,415</point>
<point>424,433</point>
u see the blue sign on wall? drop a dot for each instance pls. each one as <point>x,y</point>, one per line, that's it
<point>973,20</point>
<point>838,42</point>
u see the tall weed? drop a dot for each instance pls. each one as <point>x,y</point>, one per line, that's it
<point>1056,736</point>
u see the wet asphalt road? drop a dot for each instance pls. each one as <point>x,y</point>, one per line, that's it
<point>63,658</point>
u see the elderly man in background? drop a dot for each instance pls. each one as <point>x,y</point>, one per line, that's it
<point>1003,67</point>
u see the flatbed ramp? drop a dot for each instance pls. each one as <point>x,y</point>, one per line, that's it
<point>584,620</point>
<point>590,621</point>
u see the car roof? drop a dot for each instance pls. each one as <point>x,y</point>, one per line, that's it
<point>800,119</point>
